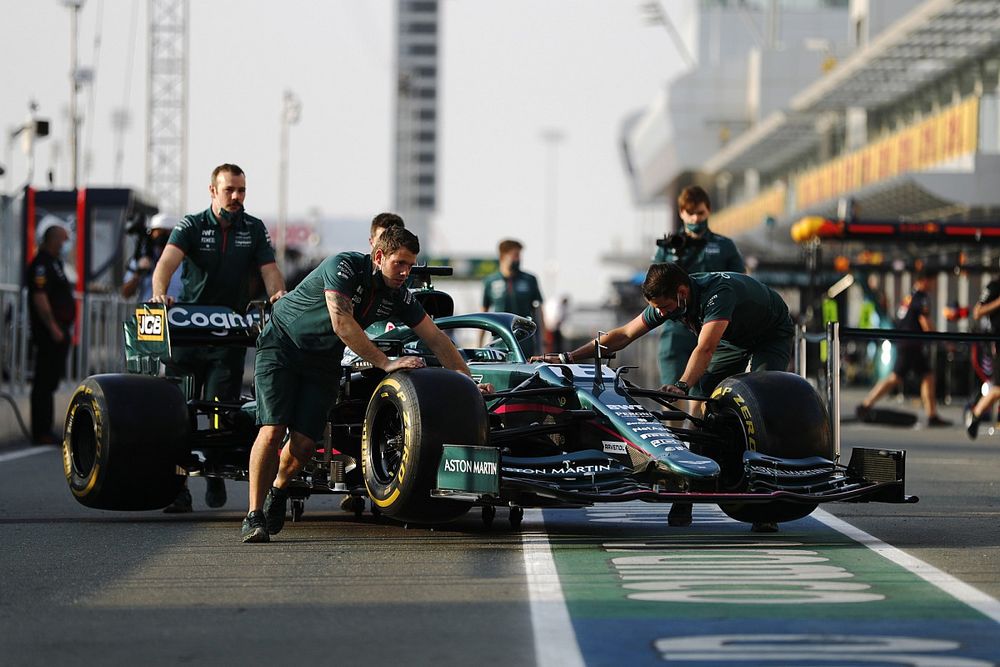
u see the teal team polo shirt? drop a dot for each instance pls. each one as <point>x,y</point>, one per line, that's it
<point>756,313</point>
<point>518,294</point>
<point>719,253</point>
<point>218,263</point>
<point>302,315</point>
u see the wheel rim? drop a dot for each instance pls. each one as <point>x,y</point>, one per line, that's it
<point>83,443</point>
<point>387,443</point>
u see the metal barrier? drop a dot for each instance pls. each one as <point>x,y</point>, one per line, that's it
<point>13,338</point>
<point>835,333</point>
<point>100,345</point>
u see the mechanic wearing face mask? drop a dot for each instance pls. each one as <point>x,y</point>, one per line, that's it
<point>696,249</point>
<point>221,248</point>
<point>53,311</point>
<point>737,320</point>
<point>139,274</point>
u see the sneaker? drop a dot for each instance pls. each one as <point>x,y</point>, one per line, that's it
<point>181,504</point>
<point>215,491</point>
<point>764,527</point>
<point>971,425</point>
<point>863,413</point>
<point>275,509</point>
<point>934,421</point>
<point>680,515</point>
<point>254,528</point>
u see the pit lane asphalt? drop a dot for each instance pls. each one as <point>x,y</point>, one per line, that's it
<point>94,587</point>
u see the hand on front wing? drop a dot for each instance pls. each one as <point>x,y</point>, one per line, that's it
<point>404,363</point>
<point>671,389</point>
<point>486,388</point>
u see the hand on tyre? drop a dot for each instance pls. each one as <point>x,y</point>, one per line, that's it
<point>404,363</point>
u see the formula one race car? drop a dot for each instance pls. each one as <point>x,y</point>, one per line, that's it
<point>431,446</point>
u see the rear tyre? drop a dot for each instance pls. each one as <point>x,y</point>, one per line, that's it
<point>124,439</point>
<point>410,416</point>
<point>777,414</point>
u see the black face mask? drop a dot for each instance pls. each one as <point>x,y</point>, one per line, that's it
<point>515,266</point>
<point>678,312</point>
<point>231,217</point>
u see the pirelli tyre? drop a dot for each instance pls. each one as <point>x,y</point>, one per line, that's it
<point>776,414</point>
<point>410,416</point>
<point>123,441</point>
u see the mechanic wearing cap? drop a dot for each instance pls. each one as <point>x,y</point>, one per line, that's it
<point>511,290</point>
<point>738,321</point>
<point>220,248</point>
<point>697,249</point>
<point>139,274</point>
<point>52,313</point>
<point>297,370</point>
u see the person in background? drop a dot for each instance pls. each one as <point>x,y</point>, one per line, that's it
<point>220,249</point>
<point>139,274</point>
<point>511,290</point>
<point>913,315</point>
<point>988,307</point>
<point>380,223</point>
<point>52,311</point>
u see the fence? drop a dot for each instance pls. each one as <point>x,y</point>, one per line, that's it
<point>835,334</point>
<point>99,348</point>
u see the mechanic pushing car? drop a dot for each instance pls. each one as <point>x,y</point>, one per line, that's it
<point>737,319</point>
<point>220,248</point>
<point>696,249</point>
<point>299,351</point>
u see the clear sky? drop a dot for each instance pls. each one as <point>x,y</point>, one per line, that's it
<point>510,70</point>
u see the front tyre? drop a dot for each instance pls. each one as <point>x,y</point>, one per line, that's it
<point>123,440</point>
<point>410,416</point>
<point>776,414</point>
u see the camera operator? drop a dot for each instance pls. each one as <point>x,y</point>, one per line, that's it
<point>148,248</point>
<point>696,249</point>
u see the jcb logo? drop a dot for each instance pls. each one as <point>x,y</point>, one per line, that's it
<point>149,325</point>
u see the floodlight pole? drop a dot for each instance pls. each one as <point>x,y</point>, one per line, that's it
<point>74,15</point>
<point>290,113</point>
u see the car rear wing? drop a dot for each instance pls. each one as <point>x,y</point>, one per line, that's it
<point>152,331</point>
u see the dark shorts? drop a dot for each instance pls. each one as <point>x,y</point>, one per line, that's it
<point>911,358</point>
<point>728,360</point>
<point>294,388</point>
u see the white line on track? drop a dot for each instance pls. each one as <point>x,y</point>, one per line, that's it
<point>956,588</point>
<point>555,640</point>
<point>21,453</point>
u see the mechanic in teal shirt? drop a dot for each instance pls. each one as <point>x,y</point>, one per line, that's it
<point>511,290</point>
<point>696,249</point>
<point>297,370</point>
<point>219,249</point>
<point>738,321</point>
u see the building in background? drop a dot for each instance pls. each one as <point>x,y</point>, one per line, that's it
<point>883,111</point>
<point>416,146</point>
